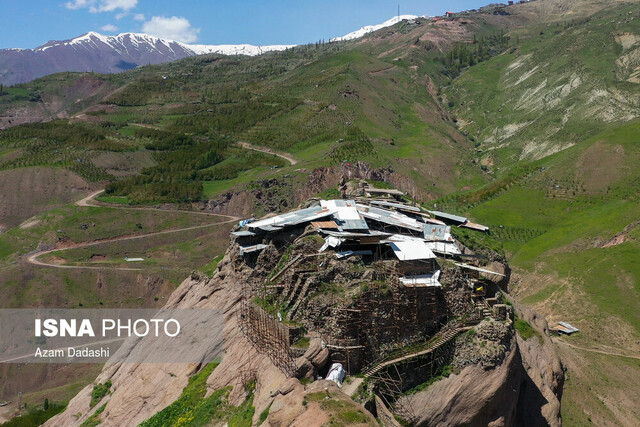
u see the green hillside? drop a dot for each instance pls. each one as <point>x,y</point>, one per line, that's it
<point>559,87</point>
<point>569,220</point>
<point>323,103</point>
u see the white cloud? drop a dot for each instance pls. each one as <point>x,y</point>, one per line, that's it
<point>111,5</point>
<point>175,28</point>
<point>119,16</point>
<point>102,5</point>
<point>109,28</point>
<point>78,4</point>
<point>138,17</point>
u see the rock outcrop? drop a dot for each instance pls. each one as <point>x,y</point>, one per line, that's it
<point>141,390</point>
<point>520,384</point>
<point>313,360</point>
<point>543,375</point>
<point>321,403</point>
<point>475,396</point>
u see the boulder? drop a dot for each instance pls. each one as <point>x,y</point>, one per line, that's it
<point>320,359</point>
<point>317,354</point>
<point>304,368</point>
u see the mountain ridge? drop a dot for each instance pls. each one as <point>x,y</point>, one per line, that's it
<point>452,111</point>
<point>128,50</point>
<point>95,52</point>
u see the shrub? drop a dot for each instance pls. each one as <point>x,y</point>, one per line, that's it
<point>100,390</point>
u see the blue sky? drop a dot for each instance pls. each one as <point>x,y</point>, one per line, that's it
<point>30,23</point>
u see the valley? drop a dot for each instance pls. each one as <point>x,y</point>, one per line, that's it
<point>120,191</point>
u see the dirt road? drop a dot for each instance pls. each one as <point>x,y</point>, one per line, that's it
<point>593,350</point>
<point>89,202</point>
<point>86,202</point>
<point>142,125</point>
<point>288,157</point>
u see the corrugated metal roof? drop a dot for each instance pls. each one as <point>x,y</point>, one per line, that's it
<point>437,232</point>
<point>293,218</point>
<point>395,205</point>
<point>343,209</point>
<point>445,248</point>
<point>389,217</point>
<point>433,221</point>
<point>345,214</point>
<point>412,250</point>
<point>324,224</point>
<point>270,228</point>
<point>391,191</point>
<point>448,216</point>
<point>422,280</point>
<point>569,327</point>
<point>475,226</point>
<point>352,235</point>
<point>353,224</point>
<point>249,249</point>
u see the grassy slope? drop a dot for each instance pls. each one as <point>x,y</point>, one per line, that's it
<point>194,409</point>
<point>562,85</point>
<point>182,252</point>
<point>323,103</point>
<point>555,219</point>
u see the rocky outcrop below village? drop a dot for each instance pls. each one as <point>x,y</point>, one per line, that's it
<point>503,381</point>
<point>494,376</point>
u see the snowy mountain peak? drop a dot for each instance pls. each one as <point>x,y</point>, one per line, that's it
<point>124,41</point>
<point>371,28</point>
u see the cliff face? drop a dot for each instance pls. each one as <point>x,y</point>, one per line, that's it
<point>523,389</point>
<point>543,375</point>
<point>473,397</point>
<point>141,390</point>
<point>523,385</point>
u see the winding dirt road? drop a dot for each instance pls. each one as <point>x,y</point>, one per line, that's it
<point>288,157</point>
<point>593,350</point>
<point>142,125</point>
<point>87,202</point>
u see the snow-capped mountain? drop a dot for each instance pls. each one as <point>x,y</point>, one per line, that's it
<point>105,54</point>
<point>112,54</point>
<point>371,28</point>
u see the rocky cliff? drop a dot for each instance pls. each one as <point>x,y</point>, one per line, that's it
<point>520,385</point>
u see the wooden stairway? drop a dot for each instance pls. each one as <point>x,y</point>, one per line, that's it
<point>433,345</point>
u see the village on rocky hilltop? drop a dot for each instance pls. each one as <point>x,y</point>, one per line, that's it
<point>369,285</point>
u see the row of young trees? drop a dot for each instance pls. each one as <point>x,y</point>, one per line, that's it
<point>175,177</point>
<point>61,133</point>
<point>463,55</point>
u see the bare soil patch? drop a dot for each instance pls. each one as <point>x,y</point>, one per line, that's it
<point>30,223</point>
<point>601,165</point>
<point>28,191</point>
<point>124,164</point>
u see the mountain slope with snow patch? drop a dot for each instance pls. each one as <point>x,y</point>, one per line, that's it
<point>371,28</point>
